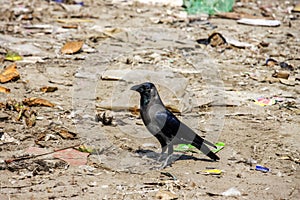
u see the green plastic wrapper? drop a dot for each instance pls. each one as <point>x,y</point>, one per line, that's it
<point>191,148</point>
<point>186,148</point>
<point>220,146</point>
<point>208,6</point>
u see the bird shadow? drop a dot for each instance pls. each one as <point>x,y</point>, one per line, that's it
<point>154,155</point>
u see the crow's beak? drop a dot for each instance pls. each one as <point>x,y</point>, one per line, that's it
<point>135,88</point>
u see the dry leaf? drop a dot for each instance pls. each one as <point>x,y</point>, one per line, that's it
<point>65,134</point>
<point>48,89</point>
<point>10,73</point>
<point>271,62</point>
<point>31,119</point>
<point>215,39</point>
<point>71,47</point>
<point>281,74</point>
<point>4,90</point>
<point>34,101</point>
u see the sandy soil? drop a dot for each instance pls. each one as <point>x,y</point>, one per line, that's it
<point>211,88</point>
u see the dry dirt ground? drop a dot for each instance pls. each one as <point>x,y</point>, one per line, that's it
<point>211,87</point>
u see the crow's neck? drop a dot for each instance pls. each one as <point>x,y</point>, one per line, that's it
<point>147,98</point>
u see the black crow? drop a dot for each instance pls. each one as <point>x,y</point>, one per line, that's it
<point>165,126</point>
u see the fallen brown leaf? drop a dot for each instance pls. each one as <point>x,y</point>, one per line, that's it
<point>34,101</point>
<point>10,73</point>
<point>71,47</point>
<point>65,134</point>
<point>48,89</point>
<point>31,119</point>
<point>271,62</point>
<point>215,39</point>
<point>4,89</point>
<point>281,74</point>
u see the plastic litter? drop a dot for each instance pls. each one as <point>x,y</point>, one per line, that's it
<point>185,148</point>
<point>191,148</point>
<point>220,146</point>
<point>208,6</point>
<point>262,101</point>
<point>212,172</point>
<point>13,56</point>
<point>259,22</point>
<point>261,168</point>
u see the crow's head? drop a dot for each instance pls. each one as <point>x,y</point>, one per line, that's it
<point>144,88</point>
<point>147,91</point>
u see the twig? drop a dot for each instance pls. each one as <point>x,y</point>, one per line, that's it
<point>38,155</point>
<point>20,186</point>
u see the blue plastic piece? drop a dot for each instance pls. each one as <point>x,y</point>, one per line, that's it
<point>261,168</point>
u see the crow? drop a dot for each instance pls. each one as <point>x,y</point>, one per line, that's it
<point>165,126</point>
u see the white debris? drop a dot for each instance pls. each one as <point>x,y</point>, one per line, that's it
<point>259,22</point>
<point>231,192</point>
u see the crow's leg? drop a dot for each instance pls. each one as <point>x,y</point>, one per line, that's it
<point>169,160</point>
<point>163,145</point>
<point>163,150</point>
<point>166,161</point>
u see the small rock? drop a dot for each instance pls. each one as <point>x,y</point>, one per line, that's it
<point>287,82</point>
<point>92,184</point>
<point>231,192</point>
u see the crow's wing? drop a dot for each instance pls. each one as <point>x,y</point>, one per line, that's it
<point>168,123</point>
<point>177,132</point>
<point>172,127</point>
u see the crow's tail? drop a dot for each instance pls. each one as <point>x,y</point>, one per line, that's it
<point>198,142</point>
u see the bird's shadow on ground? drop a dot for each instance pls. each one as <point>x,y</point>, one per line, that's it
<point>179,155</point>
